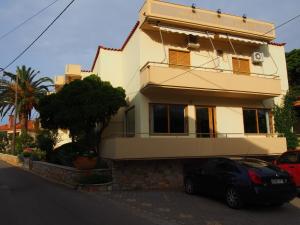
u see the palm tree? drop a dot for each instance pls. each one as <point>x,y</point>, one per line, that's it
<point>29,89</point>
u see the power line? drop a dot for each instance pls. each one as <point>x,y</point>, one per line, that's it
<point>27,20</point>
<point>283,24</point>
<point>38,37</point>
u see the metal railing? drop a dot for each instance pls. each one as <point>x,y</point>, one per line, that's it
<point>191,135</point>
<point>203,68</point>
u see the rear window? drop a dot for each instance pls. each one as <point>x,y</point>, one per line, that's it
<point>291,157</point>
<point>253,163</point>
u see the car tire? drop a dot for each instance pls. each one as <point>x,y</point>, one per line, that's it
<point>189,187</point>
<point>233,198</point>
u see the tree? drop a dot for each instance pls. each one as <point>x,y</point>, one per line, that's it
<point>293,67</point>
<point>84,107</point>
<point>3,141</point>
<point>285,118</point>
<point>29,88</point>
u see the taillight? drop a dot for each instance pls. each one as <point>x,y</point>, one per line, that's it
<point>254,177</point>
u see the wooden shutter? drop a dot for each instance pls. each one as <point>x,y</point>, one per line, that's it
<point>241,66</point>
<point>180,58</point>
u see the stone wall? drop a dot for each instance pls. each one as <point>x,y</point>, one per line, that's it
<point>63,174</point>
<point>11,159</point>
<point>147,175</point>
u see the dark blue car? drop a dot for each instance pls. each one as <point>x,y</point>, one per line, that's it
<point>240,181</point>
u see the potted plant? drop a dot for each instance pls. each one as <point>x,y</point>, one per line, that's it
<point>27,153</point>
<point>86,160</point>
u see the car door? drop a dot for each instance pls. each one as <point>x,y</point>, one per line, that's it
<point>289,162</point>
<point>225,173</point>
<point>297,171</point>
<point>208,176</point>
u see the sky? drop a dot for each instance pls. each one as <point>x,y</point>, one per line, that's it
<point>88,23</point>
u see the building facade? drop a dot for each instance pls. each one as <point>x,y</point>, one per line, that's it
<point>199,83</point>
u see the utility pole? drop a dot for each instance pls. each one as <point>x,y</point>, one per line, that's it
<point>15,116</point>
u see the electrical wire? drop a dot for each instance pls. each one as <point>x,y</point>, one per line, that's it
<point>38,37</point>
<point>283,24</point>
<point>27,20</point>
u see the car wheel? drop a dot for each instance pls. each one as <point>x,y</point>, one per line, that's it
<point>233,198</point>
<point>189,187</point>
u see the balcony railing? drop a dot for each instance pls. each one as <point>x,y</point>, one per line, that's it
<point>193,135</point>
<point>217,80</point>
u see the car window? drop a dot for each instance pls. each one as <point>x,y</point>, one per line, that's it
<point>290,158</point>
<point>227,167</point>
<point>210,166</point>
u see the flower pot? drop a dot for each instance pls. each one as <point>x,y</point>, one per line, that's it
<point>85,163</point>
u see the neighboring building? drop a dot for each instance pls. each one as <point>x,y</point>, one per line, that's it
<point>8,128</point>
<point>199,83</point>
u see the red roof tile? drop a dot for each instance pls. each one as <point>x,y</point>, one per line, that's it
<point>277,44</point>
<point>5,127</point>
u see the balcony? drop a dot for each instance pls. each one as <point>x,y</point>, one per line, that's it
<point>122,148</point>
<point>185,16</point>
<point>161,78</point>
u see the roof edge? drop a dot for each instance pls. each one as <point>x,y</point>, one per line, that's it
<point>115,49</point>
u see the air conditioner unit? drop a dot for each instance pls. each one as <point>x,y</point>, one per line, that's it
<point>193,42</point>
<point>258,57</point>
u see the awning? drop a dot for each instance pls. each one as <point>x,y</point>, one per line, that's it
<point>186,32</point>
<point>241,39</point>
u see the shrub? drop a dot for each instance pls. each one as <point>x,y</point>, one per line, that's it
<point>24,141</point>
<point>65,154</point>
<point>3,142</point>
<point>46,140</point>
<point>285,118</point>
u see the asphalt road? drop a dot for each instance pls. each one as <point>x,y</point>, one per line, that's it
<point>26,199</point>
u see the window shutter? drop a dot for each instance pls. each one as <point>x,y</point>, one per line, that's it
<point>180,58</point>
<point>241,66</point>
<point>172,57</point>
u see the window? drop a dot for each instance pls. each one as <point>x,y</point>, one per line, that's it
<point>241,66</point>
<point>289,158</point>
<point>205,121</point>
<point>181,58</point>
<point>130,122</point>
<point>257,121</point>
<point>167,118</point>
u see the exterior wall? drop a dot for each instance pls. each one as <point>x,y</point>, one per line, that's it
<point>175,147</point>
<point>110,67</point>
<point>230,121</point>
<point>123,67</point>
<point>147,175</point>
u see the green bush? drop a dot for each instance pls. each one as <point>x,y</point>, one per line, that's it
<point>3,142</point>
<point>24,141</point>
<point>65,154</point>
<point>46,140</point>
<point>285,118</point>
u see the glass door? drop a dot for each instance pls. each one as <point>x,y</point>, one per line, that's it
<point>205,122</point>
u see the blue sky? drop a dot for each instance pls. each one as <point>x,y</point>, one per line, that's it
<point>88,23</point>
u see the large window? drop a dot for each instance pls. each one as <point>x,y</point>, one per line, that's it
<point>205,121</point>
<point>168,119</point>
<point>241,66</point>
<point>257,121</point>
